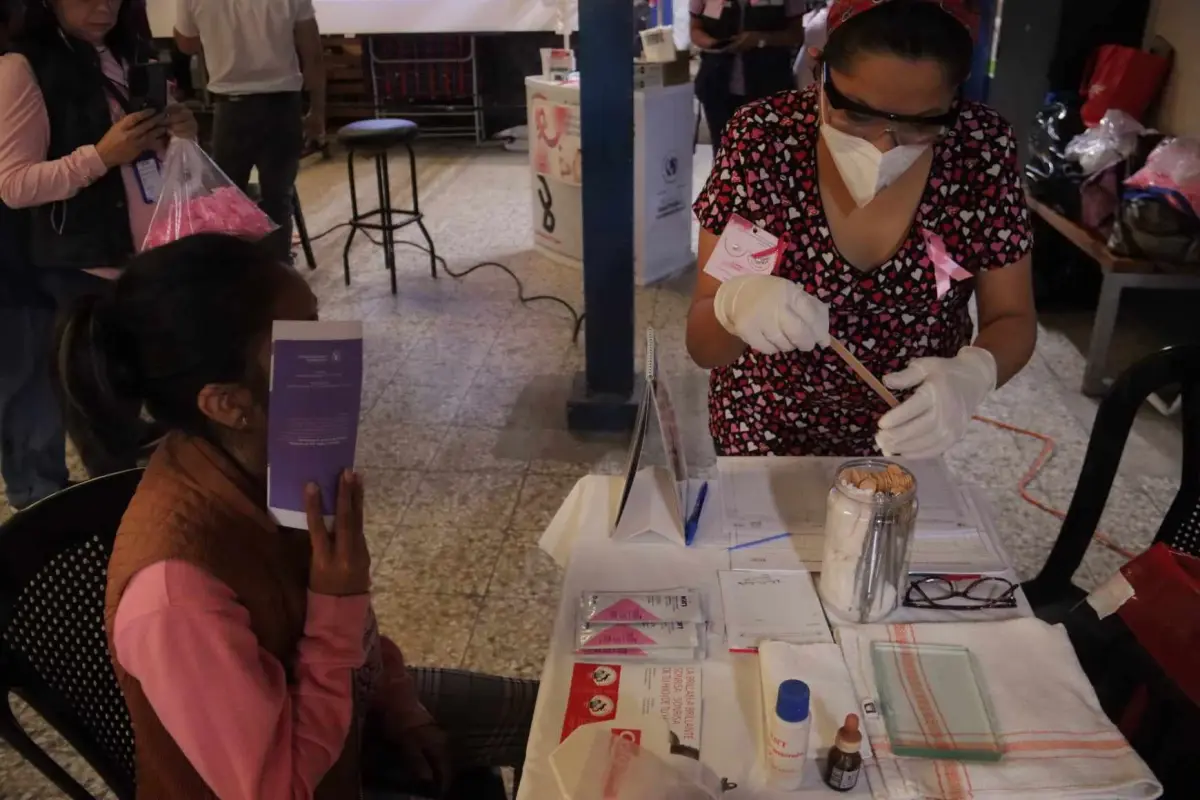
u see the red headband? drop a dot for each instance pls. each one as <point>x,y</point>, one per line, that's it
<point>843,11</point>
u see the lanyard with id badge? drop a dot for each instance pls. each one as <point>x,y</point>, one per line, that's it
<point>147,89</point>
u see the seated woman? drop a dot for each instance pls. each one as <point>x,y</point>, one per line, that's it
<point>248,653</point>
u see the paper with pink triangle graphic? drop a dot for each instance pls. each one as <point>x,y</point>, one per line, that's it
<point>620,636</point>
<point>625,611</point>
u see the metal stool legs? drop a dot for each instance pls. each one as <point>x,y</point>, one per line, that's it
<point>416,200</point>
<point>302,230</point>
<point>390,219</point>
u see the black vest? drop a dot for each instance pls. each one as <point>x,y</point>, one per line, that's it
<point>768,69</point>
<point>90,229</point>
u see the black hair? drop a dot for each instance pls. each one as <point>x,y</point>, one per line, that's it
<point>910,29</point>
<point>180,317</point>
<point>128,40</point>
<point>11,13</point>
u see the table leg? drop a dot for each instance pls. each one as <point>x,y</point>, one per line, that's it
<point>1102,333</point>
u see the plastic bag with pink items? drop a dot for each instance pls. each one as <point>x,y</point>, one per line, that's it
<point>1175,166</point>
<point>197,197</point>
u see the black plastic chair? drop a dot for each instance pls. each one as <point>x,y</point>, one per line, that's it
<point>53,652</point>
<point>1141,697</point>
<point>1137,693</point>
<point>1180,529</point>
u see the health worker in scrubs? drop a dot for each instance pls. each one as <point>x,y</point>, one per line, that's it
<point>890,202</point>
<point>746,53</point>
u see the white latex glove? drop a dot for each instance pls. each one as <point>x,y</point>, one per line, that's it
<point>772,315</point>
<point>937,414</point>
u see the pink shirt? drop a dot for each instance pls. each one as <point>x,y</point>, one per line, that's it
<point>27,179</point>
<point>227,702</point>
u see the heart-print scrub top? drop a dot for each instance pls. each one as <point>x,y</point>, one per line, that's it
<point>766,171</point>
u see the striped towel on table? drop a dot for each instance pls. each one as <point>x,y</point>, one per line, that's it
<point>1057,742</point>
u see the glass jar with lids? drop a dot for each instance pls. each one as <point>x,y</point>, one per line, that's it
<point>870,519</point>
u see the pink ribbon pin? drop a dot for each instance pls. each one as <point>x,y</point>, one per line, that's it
<point>945,268</point>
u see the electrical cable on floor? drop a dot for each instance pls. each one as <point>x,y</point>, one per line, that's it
<point>576,317</point>
<point>1043,458</point>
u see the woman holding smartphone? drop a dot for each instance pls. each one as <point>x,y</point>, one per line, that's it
<point>75,154</point>
<point>747,50</point>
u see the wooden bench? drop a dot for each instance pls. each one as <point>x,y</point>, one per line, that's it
<point>1120,273</point>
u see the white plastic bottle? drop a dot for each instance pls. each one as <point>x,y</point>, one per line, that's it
<point>787,736</point>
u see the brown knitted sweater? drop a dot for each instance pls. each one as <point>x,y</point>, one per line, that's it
<point>195,505</point>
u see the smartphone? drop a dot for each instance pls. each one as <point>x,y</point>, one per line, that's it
<point>148,86</point>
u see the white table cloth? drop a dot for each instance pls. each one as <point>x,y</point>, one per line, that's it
<point>732,706</point>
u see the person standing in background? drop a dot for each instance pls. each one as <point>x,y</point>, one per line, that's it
<point>747,54</point>
<point>260,54</point>
<point>80,166</point>
<point>32,440</point>
<point>816,33</point>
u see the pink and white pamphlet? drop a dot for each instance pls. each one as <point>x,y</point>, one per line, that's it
<point>744,249</point>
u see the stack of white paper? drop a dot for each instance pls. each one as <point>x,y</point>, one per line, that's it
<point>779,606</point>
<point>761,497</point>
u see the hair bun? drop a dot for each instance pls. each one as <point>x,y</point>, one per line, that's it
<point>96,356</point>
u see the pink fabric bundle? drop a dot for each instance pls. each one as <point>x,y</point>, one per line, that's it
<point>225,210</point>
<point>197,197</point>
<point>1173,166</point>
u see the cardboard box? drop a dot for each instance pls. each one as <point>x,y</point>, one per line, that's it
<point>649,75</point>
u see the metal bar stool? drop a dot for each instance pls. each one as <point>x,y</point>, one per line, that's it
<point>302,231</point>
<point>377,138</point>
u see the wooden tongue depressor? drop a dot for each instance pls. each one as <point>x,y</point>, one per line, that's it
<point>864,373</point>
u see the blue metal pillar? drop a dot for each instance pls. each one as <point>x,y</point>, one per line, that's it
<point>981,66</point>
<point>603,396</point>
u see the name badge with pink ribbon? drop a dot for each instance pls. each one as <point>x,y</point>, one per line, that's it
<point>744,249</point>
<point>946,270</point>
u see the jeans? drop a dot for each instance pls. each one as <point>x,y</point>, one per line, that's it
<point>263,131</point>
<point>67,287</point>
<point>718,110</point>
<point>33,457</point>
<point>486,719</point>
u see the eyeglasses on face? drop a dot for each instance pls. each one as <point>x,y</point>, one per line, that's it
<point>865,122</point>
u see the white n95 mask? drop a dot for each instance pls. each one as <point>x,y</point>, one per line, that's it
<point>864,169</point>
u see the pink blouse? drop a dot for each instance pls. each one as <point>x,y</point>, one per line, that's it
<point>27,179</point>
<point>227,702</point>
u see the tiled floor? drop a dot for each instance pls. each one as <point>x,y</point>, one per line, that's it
<point>464,442</point>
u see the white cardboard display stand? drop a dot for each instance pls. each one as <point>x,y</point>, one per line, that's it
<point>654,498</point>
<point>664,126</point>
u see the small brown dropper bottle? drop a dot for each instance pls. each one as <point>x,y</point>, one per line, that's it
<point>845,760</point>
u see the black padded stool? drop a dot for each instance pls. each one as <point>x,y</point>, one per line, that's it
<point>377,137</point>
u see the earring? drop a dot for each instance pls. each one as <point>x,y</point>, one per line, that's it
<point>242,422</point>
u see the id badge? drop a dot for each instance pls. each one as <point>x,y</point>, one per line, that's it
<point>744,249</point>
<point>713,9</point>
<point>149,177</point>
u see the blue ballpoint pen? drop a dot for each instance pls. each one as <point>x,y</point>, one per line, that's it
<point>693,521</point>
